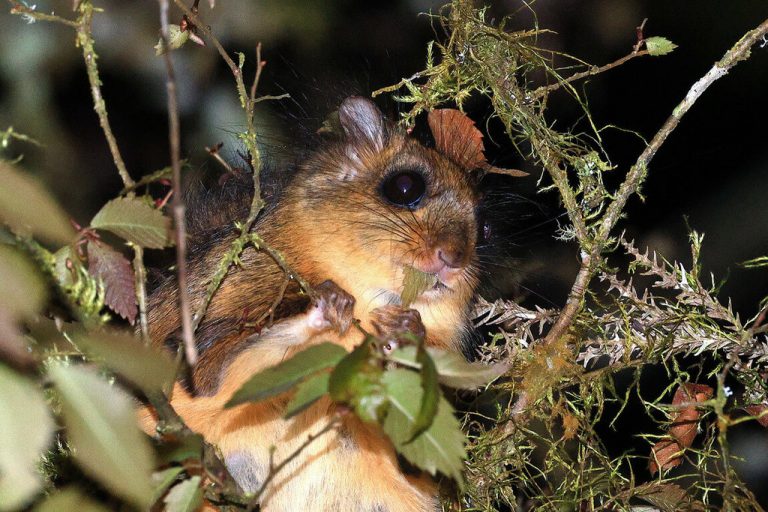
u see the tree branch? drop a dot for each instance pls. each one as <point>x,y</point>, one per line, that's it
<point>188,335</point>
<point>638,172</point>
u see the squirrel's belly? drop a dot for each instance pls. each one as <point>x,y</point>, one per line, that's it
<point>352,467</point>
<point>349,468</point>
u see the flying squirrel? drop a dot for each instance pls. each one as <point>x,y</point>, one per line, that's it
<point>357,212</point>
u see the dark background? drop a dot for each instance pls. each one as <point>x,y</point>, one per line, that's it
<point>710,175</point>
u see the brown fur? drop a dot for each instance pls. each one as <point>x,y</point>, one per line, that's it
<point>330,223</point>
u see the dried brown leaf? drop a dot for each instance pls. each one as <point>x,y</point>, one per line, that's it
<point>457,136</point>
<point>667,497</point>
<point>685,423</point>
<point>664,454</point>
<point>759,411</point>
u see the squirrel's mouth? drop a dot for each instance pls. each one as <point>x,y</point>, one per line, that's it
<point>439,287</point>
<point>436,292</point>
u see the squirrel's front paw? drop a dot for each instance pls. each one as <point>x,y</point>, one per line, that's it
<point>392,323</point>
<point>331,307</point>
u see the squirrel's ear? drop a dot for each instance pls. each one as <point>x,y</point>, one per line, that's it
<point>362,120</point>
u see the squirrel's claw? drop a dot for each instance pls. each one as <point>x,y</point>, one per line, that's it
<point>331,307</point>
<point>392,322</point>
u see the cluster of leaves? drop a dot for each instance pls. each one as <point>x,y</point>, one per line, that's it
<point>397,389</point>
<point>42,381</point>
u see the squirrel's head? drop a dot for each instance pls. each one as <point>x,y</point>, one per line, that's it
<point>377,202</point>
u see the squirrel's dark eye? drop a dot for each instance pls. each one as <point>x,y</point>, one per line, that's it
<point>404,188</point>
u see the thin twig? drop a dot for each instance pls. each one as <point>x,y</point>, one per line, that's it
<point>248,103</point>
<point>10,133</point>
<point>279,258</point>
<point>273,470</point>
<point>188,335</point>
<point>85,41</point>
<point>83,27</point>
<point>594,70</point>
<point>259,67</point>
<point>637,173</point>
<point>140,280</point>
<point>214,152</point>
<point>574,300</point>
<point>19,8</point>
<point>270,313</point>
<point>165,172</point>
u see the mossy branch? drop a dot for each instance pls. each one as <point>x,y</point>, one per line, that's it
<point>479,58</point>
<point>638,172</point>
<point>83,28</point>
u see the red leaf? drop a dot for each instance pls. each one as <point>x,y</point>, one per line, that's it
<point>664,454</point>
<point>459,139</point>
<point>683,428</point>
<point>758,410</point>
<point>115,270</point>
<point>455,135</point>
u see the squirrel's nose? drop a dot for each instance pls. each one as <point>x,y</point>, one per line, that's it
<point>453,257</point>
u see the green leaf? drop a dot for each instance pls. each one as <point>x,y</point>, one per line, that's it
<point>22,293</point>
<point>22,290</point>
<point>136,221</point>
<point>342,377</point>
<point>658,46</point>
<point>430,395</point>
<point>186,496</point>
<point>453,370</point>
<point>307,393</point>
<point>147,367</point>
<point>162,480</point>
<point>176,39</point>
<point>415,282</point>
<point>356,381</point>
<point>26,429</point>
<point>28,208</point>
<point>102,430</point>
<point>69,500</point>
<point>441,446</point>
<point>285,375</point>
